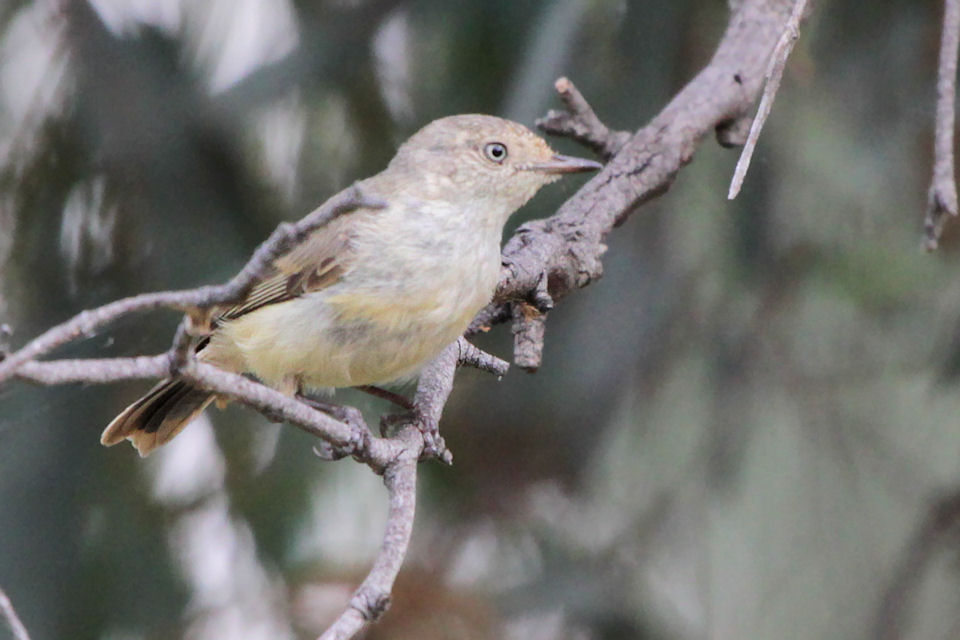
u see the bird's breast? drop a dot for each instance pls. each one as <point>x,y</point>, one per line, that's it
<point>423,263</point>
<point>416,279</point>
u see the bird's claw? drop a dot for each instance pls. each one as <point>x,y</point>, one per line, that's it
<point>434,446</point>
<point>357,444</point>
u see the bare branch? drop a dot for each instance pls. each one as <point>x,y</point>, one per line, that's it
<point>942,195</point>
<point>285,236</point>
<point>417,437</point>
<point>778,61</point>
<point>95,370</point>
<point>542,262</point>
<point>529,327</point>
<point>181,349</point>
<point>13,620</point>
<point>372,598</point>
<point>473,356</point>
<point>492,314</point>
<point>580,123</point>
<point>433,389</point>
<point>563,252</point>
<point>355,438</point>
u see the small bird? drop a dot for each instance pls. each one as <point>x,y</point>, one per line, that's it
<point>375,294</point>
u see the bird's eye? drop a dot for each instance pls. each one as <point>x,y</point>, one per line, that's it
<point>495,151</point>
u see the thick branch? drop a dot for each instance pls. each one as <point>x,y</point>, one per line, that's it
<point>942,195</point>
<point>564,250</point>
<point>372,598</point>
<point>778,61</point>
<point>433,389</point>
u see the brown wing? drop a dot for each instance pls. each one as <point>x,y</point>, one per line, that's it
<point>315,264</point>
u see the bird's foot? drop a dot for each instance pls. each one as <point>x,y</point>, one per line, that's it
<point>350,416</point>
<point>434,446</point>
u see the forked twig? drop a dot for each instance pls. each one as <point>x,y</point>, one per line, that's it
<point>285,236</point>
<point>580,123</point>
<point>372,598</point>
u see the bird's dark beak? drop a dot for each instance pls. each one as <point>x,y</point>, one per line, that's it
<point>565,164</point>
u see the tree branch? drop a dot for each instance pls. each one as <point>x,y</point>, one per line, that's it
<point>529,328</point>
<point>580,123</point>
<point>562,253</point>
<point>473,356</point>
<point>372,598</point>
<point>942,195</point>
<point>13,620</point>
<point>778,61</point>
<point>542,262</point>
<point>192,300</point>
<point>433,389</point>
<point>353,439</point>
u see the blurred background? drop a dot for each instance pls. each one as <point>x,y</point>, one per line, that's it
<point>747,429</point>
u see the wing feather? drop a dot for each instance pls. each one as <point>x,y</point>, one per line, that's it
<point>315,264</point>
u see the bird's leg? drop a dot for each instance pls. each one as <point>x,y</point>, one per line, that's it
<point>350,416</point>
<point>343,413</point>
<point>289,387</point>
<point>397,399</point>
<point>434,445</point>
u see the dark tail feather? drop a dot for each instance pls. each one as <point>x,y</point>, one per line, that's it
<point>158,416</point>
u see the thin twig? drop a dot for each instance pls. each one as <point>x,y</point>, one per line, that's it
<point>942,195</point>
<point>492,314</point>
<point>285,236</point>
<point>473,356</point>
<point>95,370</point>
<point>372,598</point>
<point>352,438</point>
<point>778,61</point>
<point>180,348</point>
<point>13,620</point>
<point>580,123</point>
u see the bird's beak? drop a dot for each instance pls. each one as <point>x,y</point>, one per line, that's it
<point>564,164</point>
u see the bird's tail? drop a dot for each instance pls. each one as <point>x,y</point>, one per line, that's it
<point>158,416</point>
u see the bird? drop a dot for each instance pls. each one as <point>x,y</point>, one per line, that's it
<point>375,294</point>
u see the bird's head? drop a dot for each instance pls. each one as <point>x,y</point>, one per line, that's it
<point>482,161</point>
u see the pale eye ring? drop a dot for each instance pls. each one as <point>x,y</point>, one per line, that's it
<point>495,152</point>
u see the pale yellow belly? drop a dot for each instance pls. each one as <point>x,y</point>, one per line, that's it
<point>362,343</point>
